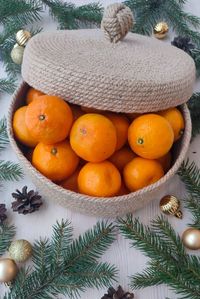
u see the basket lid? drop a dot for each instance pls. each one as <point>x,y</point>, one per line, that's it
<point>137,74</point>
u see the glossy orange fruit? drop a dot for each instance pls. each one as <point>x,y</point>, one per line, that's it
<point>49,119</point>
<point>20,129</point>
<point>121,124</point>
<point>121,157</point>
<point>93,137</point>
<point>57,162</point>
<point>76,111</point>
<point>71,183</point>
<point>141,172</point>
<point>165,161</point>
<point>150,136</point>
<point>176,120</point>
<point>33,94</point>
<point>99,179</point>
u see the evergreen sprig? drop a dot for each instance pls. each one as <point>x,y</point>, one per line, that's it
<point>190,175</point>
<point>71,17</point>
<point>7,233</point>
<point>149,13</point>
<point>169,263</point>
<point>10,171</point>
<point>7,85</point>
<point>3,134</point>
<point>194,107</point>
<point>67,267</point>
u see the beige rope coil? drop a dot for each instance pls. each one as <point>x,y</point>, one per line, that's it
<point>117,21</point>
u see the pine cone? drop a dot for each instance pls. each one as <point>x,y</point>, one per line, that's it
<point>26,202</point>
<point>183,43</point>
<point>117,294</point>
<point>2,213</point>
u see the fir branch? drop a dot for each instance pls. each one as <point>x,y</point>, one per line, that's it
<point>67,277</point>
<point>180,271</point>
<point>3,134</point>
<point>71,17</point>
<point>7,85</point>
<point>190,175</point>
<point>10,171</point>
<point>149,13</point>
<point>7,233</point>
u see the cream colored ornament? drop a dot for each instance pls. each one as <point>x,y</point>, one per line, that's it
<point>17,54</point>
<point>8,270</point>
<point>191,238</point>
<point>170,205</point>
<point>160,30</point>
<point>20,250</point>
<point>22,37</point>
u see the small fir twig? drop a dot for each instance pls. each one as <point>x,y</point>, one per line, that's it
<point>10,171</point>
<point>169,263</point>
<point>3,134</point>
<point>7,233</point>
<point>7,85</point>
<point>74,268</point>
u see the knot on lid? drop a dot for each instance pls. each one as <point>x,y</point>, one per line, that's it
<point>117,21</point>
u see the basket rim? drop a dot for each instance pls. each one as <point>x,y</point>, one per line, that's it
<point>85,198</point>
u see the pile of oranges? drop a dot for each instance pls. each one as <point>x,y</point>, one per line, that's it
<point>94,152</point>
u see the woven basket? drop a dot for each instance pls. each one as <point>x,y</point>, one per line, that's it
<point>137,74</point>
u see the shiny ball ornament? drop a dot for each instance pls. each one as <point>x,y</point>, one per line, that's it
<point>8,270</point>
<point>160,30</point>
<point>191,238</point>
<point>22,37</point>
<point>20,250</point>
<point>170,205</point>
<point>17,54</point>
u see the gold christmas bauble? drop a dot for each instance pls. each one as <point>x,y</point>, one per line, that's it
<point>22,37</point>
<point>191,238</point>
<point>160,30</point>
<point>170,205</point>
<point>8,270</point>
<point>20,250</point>
<point>17,54</point>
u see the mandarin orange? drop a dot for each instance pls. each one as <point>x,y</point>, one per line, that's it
<point>150,136</point>
<point>20,129</point>
<point>49,119</point>
<point>33,94</point>
<point>56,161</point>
<point>121,157</point>
<point>99,179</point>
<point>93,137</point>
<point>141,172</point>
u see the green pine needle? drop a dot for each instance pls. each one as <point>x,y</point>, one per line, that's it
<point>3,134</point>
<point>7,85</point>
<point>171,266</point>
<point>10,171</point>
<point>63,266</point>
<point>7,233</point>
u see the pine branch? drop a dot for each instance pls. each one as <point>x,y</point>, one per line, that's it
<point>7,85</point>
<point>149,13</point>
<point>71,17</point>
<point>190,175</point>
<point>3,134</point>
<point>180,271</point>
<point>73,272</point>
<point>7,233</point>
<point>10,171</point>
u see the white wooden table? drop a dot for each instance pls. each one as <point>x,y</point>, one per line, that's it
<point>40,223</point>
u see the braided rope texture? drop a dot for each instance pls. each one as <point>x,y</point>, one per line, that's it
<point>117,22</point>
<point>138,74</point>
<point>101,207</point>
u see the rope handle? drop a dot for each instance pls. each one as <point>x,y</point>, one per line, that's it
<point>117,21</point>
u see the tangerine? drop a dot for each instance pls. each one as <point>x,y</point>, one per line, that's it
<point>165,161</point>
<point>121,157</point>
<point>49,119</point>
<point>93,137</point>
<point>71,183</point>
<point>150,136</point>
<point>32,94</point>
<point>20,129</point>
<point>56,161</point>
<point>141,172</point>
<point>99,179</point>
